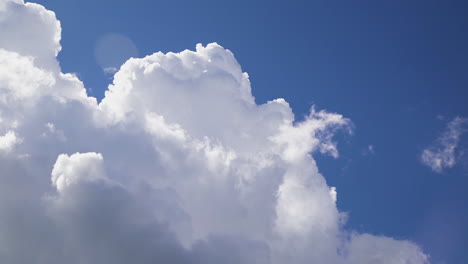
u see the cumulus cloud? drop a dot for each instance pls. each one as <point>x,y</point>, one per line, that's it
<point>443,153</point>
<point>177,164</point>
<point>8,141</point>
<point>70,170</point>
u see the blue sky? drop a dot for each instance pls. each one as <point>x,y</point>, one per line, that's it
<point>397,69</point>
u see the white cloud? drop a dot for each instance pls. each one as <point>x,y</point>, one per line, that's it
<point>69,170</point>
<point>442,154</point>
<point>110,70</point>
<point>177,164</point>
<point>8,141</point>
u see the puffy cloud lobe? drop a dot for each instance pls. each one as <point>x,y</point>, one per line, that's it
<point>69,170</point>
<point>21,21</point>
<point>8,141</point>
<point>13,68</point>
<point>314,133</point>
<point>442,154</point>
<point>177,164</point>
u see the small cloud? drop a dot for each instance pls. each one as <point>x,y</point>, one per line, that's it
<point>52,131</point>
<point>110,70</point>
<point>442,154</point>
<point>368,151</point>
<point>9,141</point>
<point>440,117</point>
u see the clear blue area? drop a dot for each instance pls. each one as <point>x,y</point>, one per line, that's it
<point>392,67</point>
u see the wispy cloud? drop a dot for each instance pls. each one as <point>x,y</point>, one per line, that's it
<point>110,70</point>
<point>369,151</point>
<point>443,153</point>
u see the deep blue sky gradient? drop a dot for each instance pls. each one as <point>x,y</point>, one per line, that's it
<point>397,69</point>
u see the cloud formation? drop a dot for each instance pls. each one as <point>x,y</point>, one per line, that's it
<point>177,164</point>
<point>442,154</point>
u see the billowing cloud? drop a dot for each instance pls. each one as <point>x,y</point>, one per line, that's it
<point>177,164</point>
<point>442,154</point>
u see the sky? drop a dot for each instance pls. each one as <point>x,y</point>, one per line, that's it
<point>387,81</point>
